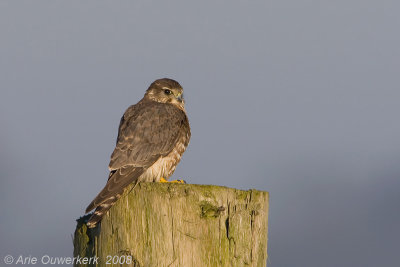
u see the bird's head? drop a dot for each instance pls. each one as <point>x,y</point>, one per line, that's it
<point>166,91</point>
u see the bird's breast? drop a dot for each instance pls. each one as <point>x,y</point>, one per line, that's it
<point>164,166</point>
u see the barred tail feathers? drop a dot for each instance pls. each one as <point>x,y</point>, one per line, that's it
<point>101,210</point>
<point>117,182</point>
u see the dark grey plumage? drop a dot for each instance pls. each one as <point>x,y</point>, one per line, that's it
<point>152,136</point>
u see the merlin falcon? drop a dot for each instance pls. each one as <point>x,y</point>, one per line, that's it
<point>152,136</point>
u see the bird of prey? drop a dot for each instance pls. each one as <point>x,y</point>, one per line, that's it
<point>152,136</point>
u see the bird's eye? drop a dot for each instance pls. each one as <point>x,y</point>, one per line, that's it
<point>167,92</point>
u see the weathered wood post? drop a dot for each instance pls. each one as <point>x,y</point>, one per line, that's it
<point>164,224</point>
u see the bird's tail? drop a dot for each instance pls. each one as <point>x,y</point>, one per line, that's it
<point>101,210</point>
<point>117,182</point>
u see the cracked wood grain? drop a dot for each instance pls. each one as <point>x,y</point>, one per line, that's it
<point>181,225</point>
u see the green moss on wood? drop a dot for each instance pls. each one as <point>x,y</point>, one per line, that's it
<point>209,210</point>
<point>181,225</point>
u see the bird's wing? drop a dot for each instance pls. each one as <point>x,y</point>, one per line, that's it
<point>147,132</point>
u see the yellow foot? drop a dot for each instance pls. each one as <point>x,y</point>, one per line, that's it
<point>162,180</point>
<point>178,181</point>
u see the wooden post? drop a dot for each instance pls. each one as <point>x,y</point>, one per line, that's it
<point>165,224</point>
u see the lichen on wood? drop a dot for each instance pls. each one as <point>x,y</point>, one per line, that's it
<point>163,224</point>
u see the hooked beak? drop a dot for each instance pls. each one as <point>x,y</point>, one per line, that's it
<point>179,98</point>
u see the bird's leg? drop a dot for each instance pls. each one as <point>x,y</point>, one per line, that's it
<point>162,180</point>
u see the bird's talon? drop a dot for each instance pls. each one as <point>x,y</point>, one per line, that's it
<point>179,181</point>
<point>162,180</point>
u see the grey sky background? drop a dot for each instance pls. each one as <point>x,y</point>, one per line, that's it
<point>298,98</point>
